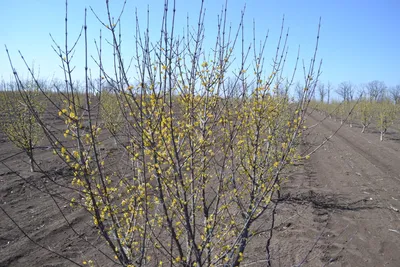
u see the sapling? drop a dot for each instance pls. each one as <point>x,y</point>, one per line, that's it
<point>365,113</point>
<point>20,110</point>
<point>386,115</point>
<point>202,158</point>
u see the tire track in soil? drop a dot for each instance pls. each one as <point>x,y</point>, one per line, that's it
<point>351,165</point>
<point>365,153</point>
<point>363,148</point>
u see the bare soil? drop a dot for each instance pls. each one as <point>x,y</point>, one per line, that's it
<point>339,208</point>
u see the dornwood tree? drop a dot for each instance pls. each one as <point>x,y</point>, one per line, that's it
<point>111,113</point>
<point>20,107</point>
<point>199,160</point>
<point>386,114</point>
<point>350,113</point>
<point>341,111</point>
<point>365,113</point>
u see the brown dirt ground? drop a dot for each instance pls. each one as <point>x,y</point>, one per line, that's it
<point>340,208</point>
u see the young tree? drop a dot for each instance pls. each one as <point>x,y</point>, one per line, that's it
<point>365,113</point>
<point>201,159</point>
<point>111,113</point>
<point>342,111</point>
<point>386,115</point>
<point>20,107</point>
<point>350,113</point>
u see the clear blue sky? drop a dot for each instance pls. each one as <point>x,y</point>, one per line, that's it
<point>359,42</point>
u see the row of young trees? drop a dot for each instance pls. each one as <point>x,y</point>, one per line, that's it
<point>196,160</point>
<point>374,104</point>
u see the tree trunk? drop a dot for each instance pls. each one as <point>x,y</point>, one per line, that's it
<point>31,161</point>
<point>383,132</point>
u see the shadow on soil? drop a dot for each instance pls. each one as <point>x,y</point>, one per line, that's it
<point>328,201</point>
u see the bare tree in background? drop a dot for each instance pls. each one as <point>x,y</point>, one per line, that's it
<point>376,90</point>
<point>299,91</point>
<point>322,91</point>
<point>346,91</point>
<point>395,93</point>
<point>329,88</point>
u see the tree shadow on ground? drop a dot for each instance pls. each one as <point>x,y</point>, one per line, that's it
<point>328,201</point>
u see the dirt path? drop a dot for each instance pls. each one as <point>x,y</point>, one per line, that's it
<point>362,175</point>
